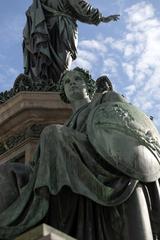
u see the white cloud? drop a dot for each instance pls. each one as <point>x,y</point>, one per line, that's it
<point>140,12</point>
<point>142,39</point>
<point>86,59</point>
<point>93,45</point>
<point>146,58</point>
<point>130,90</point>
<point>110,66</point>
<point>118,45</point>
<point>129,69</point>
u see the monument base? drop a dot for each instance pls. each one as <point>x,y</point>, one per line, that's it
<point>44,232</point>
<point>23,117</point>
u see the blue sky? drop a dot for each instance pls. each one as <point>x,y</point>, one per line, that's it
<point>127,51</point>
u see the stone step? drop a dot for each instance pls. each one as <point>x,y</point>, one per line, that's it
<point>44,232</point>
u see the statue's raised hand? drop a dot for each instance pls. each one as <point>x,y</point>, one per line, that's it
<point>110,18</point>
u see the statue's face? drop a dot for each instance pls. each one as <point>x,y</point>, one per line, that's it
<point>74,86</point>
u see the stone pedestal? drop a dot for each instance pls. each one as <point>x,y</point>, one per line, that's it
<point>23,117</point>
<point>44,232</point>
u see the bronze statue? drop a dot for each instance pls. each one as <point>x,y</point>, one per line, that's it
<point>96,177</point>
<point>50,36</point>
<point>103,84</point>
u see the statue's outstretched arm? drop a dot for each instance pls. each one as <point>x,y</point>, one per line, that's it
<point>110,18</point>
<point>84,12</point>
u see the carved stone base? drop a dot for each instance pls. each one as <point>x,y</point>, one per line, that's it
<point>22,119</point>
<point>44,232</point>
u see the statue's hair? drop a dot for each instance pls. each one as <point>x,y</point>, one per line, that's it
<point>103,83</point>
<point>90,83</point>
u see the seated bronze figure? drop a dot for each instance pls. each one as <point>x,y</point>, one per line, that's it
<point>96,177</point>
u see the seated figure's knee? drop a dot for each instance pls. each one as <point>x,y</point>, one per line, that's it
<point>13,176</point>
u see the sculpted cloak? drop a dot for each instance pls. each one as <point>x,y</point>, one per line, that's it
<point>72,187</point>
<point>51,35</point>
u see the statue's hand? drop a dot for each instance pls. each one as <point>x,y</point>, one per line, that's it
<point>110,18</point>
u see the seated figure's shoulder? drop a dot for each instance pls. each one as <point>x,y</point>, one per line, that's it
<point>112,96</point>
<point>107,97</point>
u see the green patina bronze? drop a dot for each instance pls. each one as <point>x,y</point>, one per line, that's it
<point>51,36</point>
<point>76,155</point>
<point>126,138</point>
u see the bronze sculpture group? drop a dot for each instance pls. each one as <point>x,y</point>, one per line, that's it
<point>101,167</point>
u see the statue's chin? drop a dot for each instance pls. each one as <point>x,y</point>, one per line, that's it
<point>77,96</point>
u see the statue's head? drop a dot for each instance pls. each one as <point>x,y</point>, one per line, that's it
<point>76,84</point>
<point>103,84</point>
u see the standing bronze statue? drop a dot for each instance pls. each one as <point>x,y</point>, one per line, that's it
<point>50,36</point>
<point>101,171</point>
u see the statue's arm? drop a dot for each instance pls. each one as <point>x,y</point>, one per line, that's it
<point>84,12</point>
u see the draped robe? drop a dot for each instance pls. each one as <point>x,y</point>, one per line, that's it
<point>51,35</point>
<point>73,189</point>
